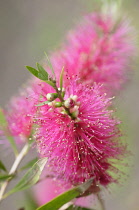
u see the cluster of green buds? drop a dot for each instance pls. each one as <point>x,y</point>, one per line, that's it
<point>69,106</point>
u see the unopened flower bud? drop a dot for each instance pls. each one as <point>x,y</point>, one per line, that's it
<point>58,104</point>
<point>52,104</point>
<point>74,97</point>
<point>51,96</point>
<point>69,103</point>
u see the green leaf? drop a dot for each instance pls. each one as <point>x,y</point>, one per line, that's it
<point>29,203</point>
<point>61,78</point>
<point>5,177</point>
<point>29,164</point>
<point>60,200</point>
<point>32,71</point>
<point>43,103</point>
<point>2,167</point>
<point>49,63</point>
<point>42,72</point>
<point>50,83</point>
<point>30,178</point>
<point>13,144</point>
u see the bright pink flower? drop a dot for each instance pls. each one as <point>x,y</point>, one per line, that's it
<point>98,50</point>
<point>48,189</point>
<point>81,146</point>
<point>21,110</point>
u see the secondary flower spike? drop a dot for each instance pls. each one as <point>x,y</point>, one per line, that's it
<point>21,109</point>
<point>99,50</point>
<point>80,138</point>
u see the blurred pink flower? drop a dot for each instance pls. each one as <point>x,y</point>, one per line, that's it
<point>48,189</point>
<point>81,147</point>
<point>21,109</point>
<point>98,50</point>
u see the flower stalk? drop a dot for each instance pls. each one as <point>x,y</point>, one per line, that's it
<point>14,167</point>
<point>101,202</point>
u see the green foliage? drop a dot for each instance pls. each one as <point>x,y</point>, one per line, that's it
<point>61,78</point>
<point>43,103</point>
<point>2,166</point>
<point>29,164</point>
<point>29,203</point>
<point>50,83</point>
<point>5,177</point>
<point>30,178</point>
<point>60,200</point>
<point>49,63</point>
<point>13,144</point>
<point>40,73</point>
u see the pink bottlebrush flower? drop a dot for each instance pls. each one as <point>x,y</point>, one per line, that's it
<point>48,189</point>
<point>79,144</point>
<point>99,50</point>
<point>21,109</point>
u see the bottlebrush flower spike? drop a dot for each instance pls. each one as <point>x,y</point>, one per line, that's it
<point>99,50</point>
<point>80,141</point>
<point>21,109</point>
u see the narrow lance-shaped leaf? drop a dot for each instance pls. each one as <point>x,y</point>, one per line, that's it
<point>32,71</point>
<point>2,166</point>
<point>3,123</point>
<point>29,202</point>
<point>5,177</point>
<point>42,72</point>
<point>50,83</point>
<point>61,78</point>
<point>49,63</point>
<point>60,200</point>
<point>43,103</point>
<point>30,178</point>
<point>38,73</point>
<point>29,164</point>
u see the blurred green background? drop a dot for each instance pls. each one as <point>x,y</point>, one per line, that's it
<point>28,28</point>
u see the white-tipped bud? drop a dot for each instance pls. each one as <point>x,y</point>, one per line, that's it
<point>69,103</point>
<point>74,97</point>
<point>51,96</point>
<point>52,104</point>
<point>71,95</point>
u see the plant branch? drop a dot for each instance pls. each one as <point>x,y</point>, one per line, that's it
<point>14,168</point>
<point>101,201</point>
